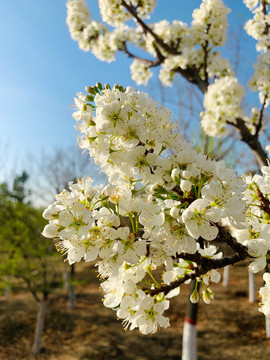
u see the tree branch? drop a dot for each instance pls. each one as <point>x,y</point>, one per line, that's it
<point>225,236</point>
<point>132,10</point>
<point>264,10</point>
<point>259,125</point>
<point>251,140</point>
<point>205,265</point>
<point>192,75</point>
<point>150,63</point>
<point>264,202</point>
<point>205,58</point>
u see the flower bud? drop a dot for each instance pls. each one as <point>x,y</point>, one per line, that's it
<point>89,98</point>
<point>194,297</point>
<point>91,90</point>
<point>99,86</point>
<point>185,185</point>
<point>186,174</point>
<point>175,174</point>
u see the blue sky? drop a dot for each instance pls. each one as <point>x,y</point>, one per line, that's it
<point>42,68</point>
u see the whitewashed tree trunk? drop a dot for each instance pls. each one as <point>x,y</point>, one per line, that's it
<point>71,297</point>
<point>39,326</point>
<point>68,284</point>
<point>189,343</point>
<point>65,277</point>
<point>7,289</point>
<point>189,351</point>
<point>225,281</point>
<point>267,326</point>
<point>251,281</point>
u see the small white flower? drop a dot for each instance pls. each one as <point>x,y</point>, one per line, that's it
<point>151,215</point>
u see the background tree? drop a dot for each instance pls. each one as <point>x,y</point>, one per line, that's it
<point>54,171</point>
<point>26,256</point>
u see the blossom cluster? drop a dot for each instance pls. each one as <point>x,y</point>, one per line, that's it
<point>114,13</point>
<point>187,47</point>
<point>258,28</point>
<point>208,30</point>
<point>164,202</point>
<point>178,48</point>
<point>223,98</point>
<point>255,234</point>
<point>93,35</point>
<point>222,104</point>
<point>260,80</point>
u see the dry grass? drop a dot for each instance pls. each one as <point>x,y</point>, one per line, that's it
<point>230,328</point>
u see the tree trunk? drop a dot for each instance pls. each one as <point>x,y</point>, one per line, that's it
<point>68,279</point>
<point>189,347</point>
<point>267,326</point>
<point>71,297</point>
<point>39,325</point>
<point>225,281</point>
<point>71,291</point>
<point>251,287</point>
<point>65,276</point>
<point>7,288</point>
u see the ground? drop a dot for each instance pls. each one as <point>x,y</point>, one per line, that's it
<point>229,328</point>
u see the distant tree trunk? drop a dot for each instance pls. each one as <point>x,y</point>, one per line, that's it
<point>71,291</point>
<point>251,287</point>
<point>65,276</point>
<point>189,343</point>
<point>225,281</point>
<point>39,324</point>
<point>189,347</point>
<point>267,326</point>
<point>7,289</point>
<point>68,279</point>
